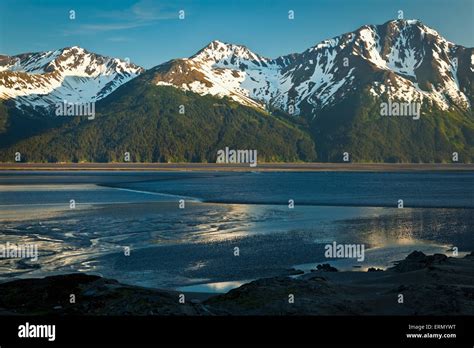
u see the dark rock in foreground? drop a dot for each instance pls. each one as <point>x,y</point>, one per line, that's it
<point>417,260</point>
<point>373,269</point>
<point>325,267</point>
<point>430,285</point>
<point>93,296</point>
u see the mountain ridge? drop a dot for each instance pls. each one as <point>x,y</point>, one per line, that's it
<point>318,77</point>
<point>41,79</point>
<point>333,91</point>
<point>303,83</point>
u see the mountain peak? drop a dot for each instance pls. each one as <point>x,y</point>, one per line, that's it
<point>412,24</point>
<point>218,53</point>
<point>406,21</point>
<point>218,43</point>
<point>73,49</point>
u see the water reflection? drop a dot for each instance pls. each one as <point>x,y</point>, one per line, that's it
<point>185,246</point>
<point>219,287</point>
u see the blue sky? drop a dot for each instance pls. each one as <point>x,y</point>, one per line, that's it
<point>149,32</point>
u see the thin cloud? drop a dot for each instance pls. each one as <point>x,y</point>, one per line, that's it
<point>119,39</point>
<point>141,14</point>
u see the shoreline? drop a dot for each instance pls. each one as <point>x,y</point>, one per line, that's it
<point>326,291</point>
<point>264,167</point>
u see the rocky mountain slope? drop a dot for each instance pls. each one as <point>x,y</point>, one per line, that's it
<point>40,80</point>
<point>401,59</point>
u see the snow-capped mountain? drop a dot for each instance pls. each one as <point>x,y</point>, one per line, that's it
<point>401,60</point>
<point>40,80</point>
<point>337,86</point>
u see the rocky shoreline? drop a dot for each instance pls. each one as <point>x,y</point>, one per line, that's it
<point>429,285</point>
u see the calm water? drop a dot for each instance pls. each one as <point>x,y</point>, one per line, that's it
<point>193,248</point>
